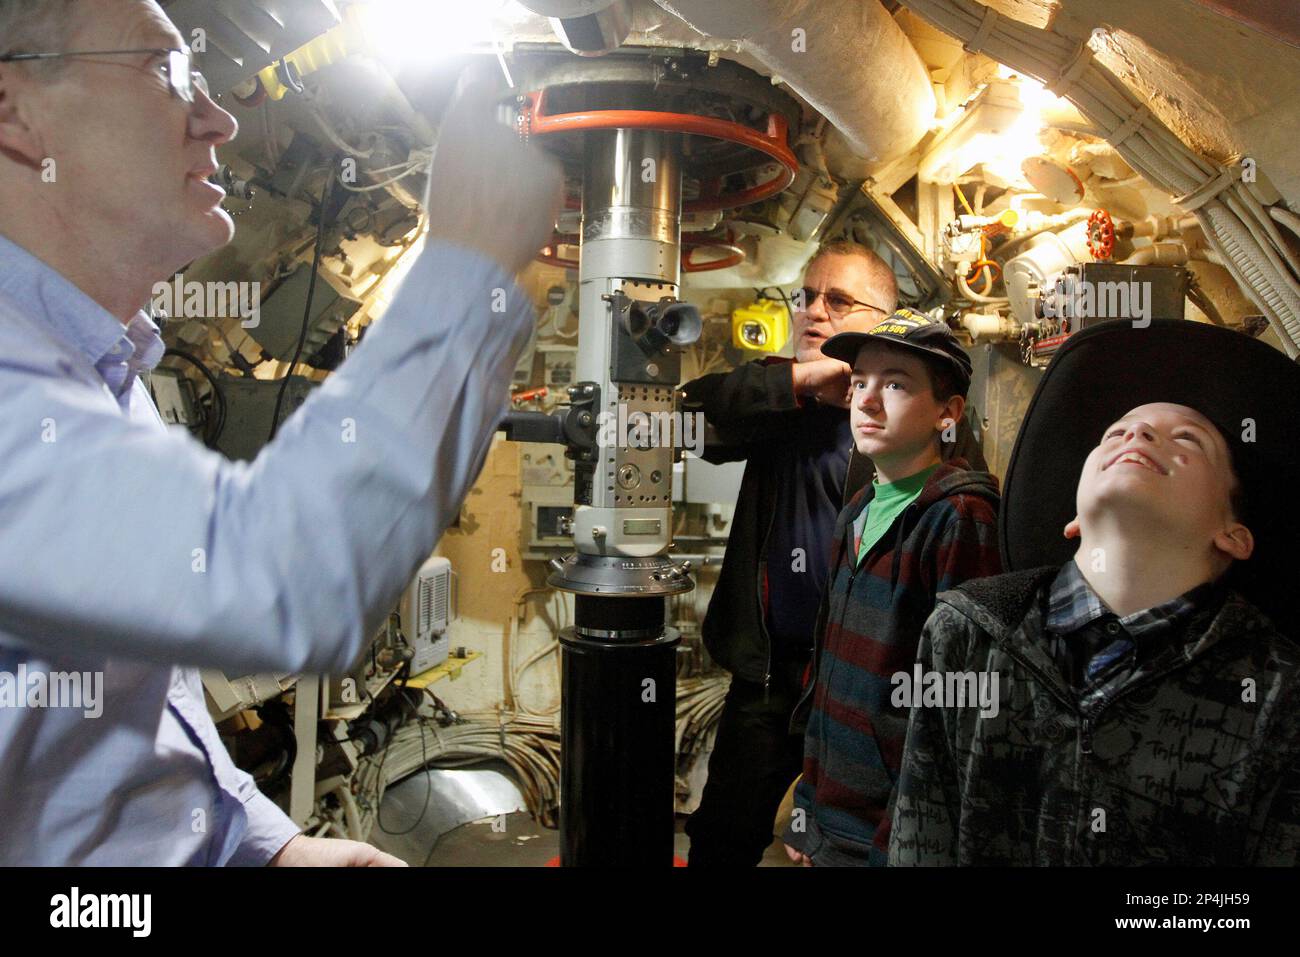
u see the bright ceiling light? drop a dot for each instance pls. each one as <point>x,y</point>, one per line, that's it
<point>1036,97</point>
<point>415,31</point>
<point>999,129</point>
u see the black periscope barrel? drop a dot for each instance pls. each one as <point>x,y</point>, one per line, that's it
<point>617,724</point>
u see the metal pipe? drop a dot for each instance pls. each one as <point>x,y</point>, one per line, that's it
<point>631,232</point>
<point>618,662</point>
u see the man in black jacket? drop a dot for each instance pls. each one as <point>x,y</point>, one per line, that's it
<point>789,421</point>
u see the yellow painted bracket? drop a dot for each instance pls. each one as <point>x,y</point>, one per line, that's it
<point>449,669</point>
<point>350,37</point>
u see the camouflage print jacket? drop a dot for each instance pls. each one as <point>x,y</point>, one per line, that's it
<point>1191,759</point>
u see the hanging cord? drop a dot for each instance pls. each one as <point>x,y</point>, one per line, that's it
<point>326,192</point>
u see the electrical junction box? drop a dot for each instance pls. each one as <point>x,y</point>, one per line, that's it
<point>559,363</point>
<point>427,613</point>
<point>548,511</point>
<point>250,405</point>
<point>174,396</point>
<point>545,498</point>
<point>281,317</point>
<point>1089,293</point>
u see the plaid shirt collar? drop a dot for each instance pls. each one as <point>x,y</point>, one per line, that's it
<point>1072,604</point>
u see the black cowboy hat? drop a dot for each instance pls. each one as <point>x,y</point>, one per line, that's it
<point>1104,371</point>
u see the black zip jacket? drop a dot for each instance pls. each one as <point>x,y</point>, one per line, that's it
<point>754,416</point>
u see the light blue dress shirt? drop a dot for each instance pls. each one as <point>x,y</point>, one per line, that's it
<point>129,549</point>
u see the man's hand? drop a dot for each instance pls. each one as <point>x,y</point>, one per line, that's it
<point>303,851</point>
<point>803,860</point>
<point>827,380</point>
<point>488,190</point>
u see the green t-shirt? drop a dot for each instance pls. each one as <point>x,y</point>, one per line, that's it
<point>888,503</point>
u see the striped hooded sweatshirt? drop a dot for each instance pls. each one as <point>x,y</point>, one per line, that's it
<point>868,630</point>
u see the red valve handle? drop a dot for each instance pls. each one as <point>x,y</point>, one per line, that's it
<point>1101,235</point>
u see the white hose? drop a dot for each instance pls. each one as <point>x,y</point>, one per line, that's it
<point>974,296</point>
<point>1287,218</point>
<point>351,813</point>
<point>332,135</point>
<point>409,170</point>
<point>1159,254</point>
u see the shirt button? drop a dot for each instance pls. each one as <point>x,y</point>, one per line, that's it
<point>1112,628</point>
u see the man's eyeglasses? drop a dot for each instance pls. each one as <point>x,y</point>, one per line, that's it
<point>837,303</point>
<point>178,67</point>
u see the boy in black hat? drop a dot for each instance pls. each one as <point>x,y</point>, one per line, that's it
<point>1150,692</point>
<point>922,526</point>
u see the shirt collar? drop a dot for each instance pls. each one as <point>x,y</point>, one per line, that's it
<point>146,343</point>
<point>137,351</point>
<point>1072,604</point>
<point>119,352</point>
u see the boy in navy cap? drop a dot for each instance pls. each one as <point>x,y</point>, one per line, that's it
<point>921,526</point>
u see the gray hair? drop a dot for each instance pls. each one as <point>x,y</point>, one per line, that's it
<point>36,26</point>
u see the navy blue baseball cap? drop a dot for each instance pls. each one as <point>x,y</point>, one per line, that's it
<point>911,330</point>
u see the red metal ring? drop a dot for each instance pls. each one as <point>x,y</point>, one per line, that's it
<point>772,144</point>
<point>693,241</point>
<point>736,257</point>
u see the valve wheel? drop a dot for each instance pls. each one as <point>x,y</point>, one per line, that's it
<point>1101,235</point>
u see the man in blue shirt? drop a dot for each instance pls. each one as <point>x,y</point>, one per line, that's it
<point>131,554</point>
